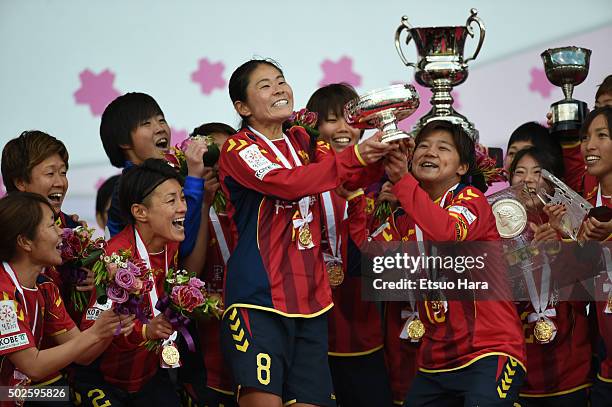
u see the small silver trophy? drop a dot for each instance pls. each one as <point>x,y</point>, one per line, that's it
<point>567,67</point>
<point>441,65</point>
<point>382,109</point>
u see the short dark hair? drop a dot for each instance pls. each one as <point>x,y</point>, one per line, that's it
<point>207,129</point>
<point>604,88</point>
<point>20,215</point>
<point>465,148</point>
<point>331,98</point>
<point>25,152</point>
<point>105,193</point>
<point>120,118</point>
<point>139,181</point>
<point>540,137</point>
<point>546,160</point>
<point>239,81</point>
<point>606,111</point>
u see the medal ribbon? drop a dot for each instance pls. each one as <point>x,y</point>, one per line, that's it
<point>420,241</point>
<point>214,218</point>
<point>539,302</point>
<point>304,203</point>
<point>409,316</point>
<point>144,255</point>
<point>330,219</point>
<point>13,277</point>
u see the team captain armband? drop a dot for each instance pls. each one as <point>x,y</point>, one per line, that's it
<point>254,158</point>
<point>463,211</point>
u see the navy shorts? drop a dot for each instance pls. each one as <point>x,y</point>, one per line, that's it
<point>579,398</point>
<point>279,355</point>
<point>492,381</point>
<point>601,393</point>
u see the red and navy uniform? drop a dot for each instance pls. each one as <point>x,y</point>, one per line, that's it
<point>50,320</point>
<point>126,363</point>
<point>274,331</point>
<point>562,366</point>
<point>355,327</point>
<point>400,354</point>
<point>267,270</point>
<point>469,331</point>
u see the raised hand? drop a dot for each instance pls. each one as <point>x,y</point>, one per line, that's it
<point>373,150</point>
<point>396,165</point>
<point>196,148</point>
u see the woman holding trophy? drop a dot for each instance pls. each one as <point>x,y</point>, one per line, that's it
<point>472,352</point>
<point>566,348</point>
<point>274,332</point>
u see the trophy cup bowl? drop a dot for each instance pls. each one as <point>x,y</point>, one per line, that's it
<point>567,67</point>
<point>382,109</point>
<point>441,64</point>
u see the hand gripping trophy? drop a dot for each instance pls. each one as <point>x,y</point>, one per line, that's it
<point>441,65</point>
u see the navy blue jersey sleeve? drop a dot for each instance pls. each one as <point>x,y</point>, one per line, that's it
<point>115,222</point>
<point>194,194</point>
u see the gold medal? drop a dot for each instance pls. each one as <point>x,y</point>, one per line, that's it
<point>305,236</point>
<point>335,273</point>
<point>609,303</point>
<point>544,330</point>
<point>415,329</point>
<point>170,355</point>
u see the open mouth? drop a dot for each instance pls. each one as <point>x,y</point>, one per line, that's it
<point>162,143</point>
<point>428,164</point>
<point>342,140</point>
<point>55,198</point>
<point>592,159</point>
<point>280,103</point>
<point>179,223</point>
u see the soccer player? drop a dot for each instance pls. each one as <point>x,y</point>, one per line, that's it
<point>469,348</point>
<point>151,197</point>
<point>356,357</point>
<point>31,307</point>
<point>274,331</point>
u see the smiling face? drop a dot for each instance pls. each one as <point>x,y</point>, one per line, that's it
<point>513,149</point>
<point>596,148</point>
<point>48,178</point>
<point>269,99</point>
<point>436,160</point>
<point>337,132</point>
<point>45,248</point>
<point>150,139</point>
<point>164,211</point>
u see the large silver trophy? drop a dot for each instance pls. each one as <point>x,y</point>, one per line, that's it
<point>382,109</point>
<point>441,65</point>
<point>567,67</point>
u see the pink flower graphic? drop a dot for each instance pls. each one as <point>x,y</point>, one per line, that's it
<point>96,90</point>
<point>209,76</point>
<point>341,71</point>
<point>178,136</point>
<point>539,83</point>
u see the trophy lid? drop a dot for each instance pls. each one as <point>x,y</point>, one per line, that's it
<point>364,112</point>
<point>566,65</point>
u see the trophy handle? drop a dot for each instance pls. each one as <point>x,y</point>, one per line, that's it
<point>471,19</point>
<point>398,45</point>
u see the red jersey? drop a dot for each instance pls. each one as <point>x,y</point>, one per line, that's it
<point>25,320</point>
<point>468,330</point>
<point>218,374</point>
<point>126,363</point>
<point>564,364</point>
<point>267,269</point>
<point>400,354</point>
<point>355,326</point>
<point>574,166</point>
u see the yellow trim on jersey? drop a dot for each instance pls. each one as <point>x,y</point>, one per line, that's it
<point>59,332</point>
<point>358,154</point>
<point>366,352</point>
<point>284,314</point>
<point>398,402</point>
<point>290,402</point>
<point>226,392</point>
<point>48,382</point>
<point>603,379</point>
<point>421,369</point>
<point>559,393</point>
<point>570,145</point>
<point>355,194</point>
